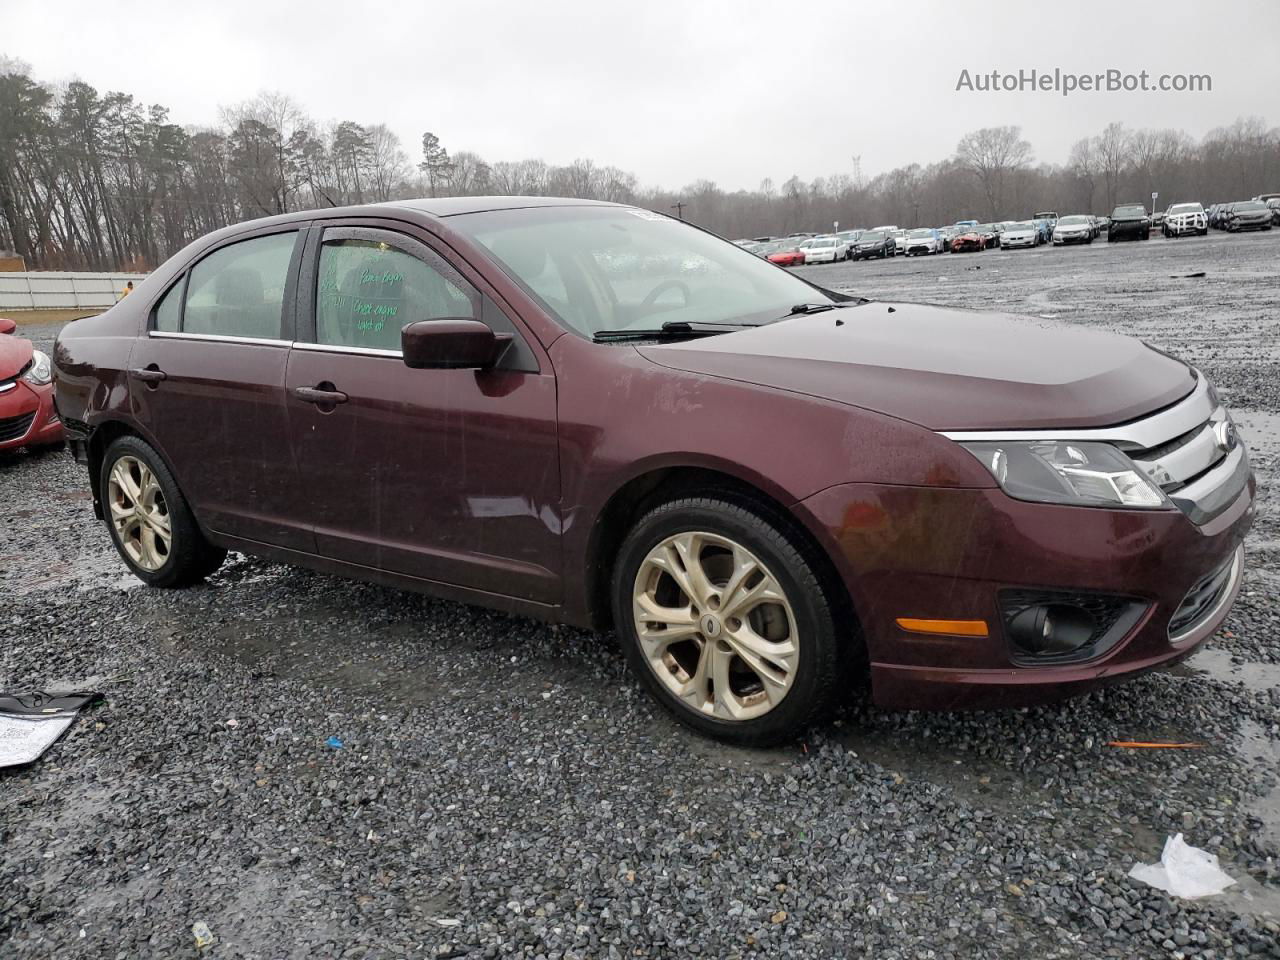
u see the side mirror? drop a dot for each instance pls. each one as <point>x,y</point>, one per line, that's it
<point>7,326</point>
<point>452,343</point>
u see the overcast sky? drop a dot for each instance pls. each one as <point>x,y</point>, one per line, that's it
<point>733,91</point>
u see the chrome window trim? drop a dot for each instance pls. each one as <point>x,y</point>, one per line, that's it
<point>217,338</point>
<point>1185,415</point>
<point>339,348</point>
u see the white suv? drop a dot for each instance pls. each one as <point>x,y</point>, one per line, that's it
<point>1183,218</point>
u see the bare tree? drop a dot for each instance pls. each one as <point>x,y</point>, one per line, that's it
<point>1082,165</point>
<point>992,154</point>
<point>1111,147</point>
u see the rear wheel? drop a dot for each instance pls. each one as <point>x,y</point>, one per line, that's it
<point>150,522</point>
<point>724,620</point>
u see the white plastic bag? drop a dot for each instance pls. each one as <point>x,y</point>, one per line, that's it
<point>1183,871</point>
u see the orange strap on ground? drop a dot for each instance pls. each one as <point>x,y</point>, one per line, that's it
<point>1138,744</point>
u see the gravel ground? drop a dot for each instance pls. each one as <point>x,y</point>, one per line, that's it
<point>504,789</point>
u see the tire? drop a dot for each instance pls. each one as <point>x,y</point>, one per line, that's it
<point>803,624</point>
<point>188,557</point>
<point>1202,233</point>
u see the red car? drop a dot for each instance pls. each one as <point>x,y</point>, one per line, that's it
<point>968,242</point>
<point>27,416</point>
<point>596,414</point>
<point>787,257</point>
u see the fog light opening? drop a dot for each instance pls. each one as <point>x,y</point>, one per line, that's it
<point>1052,629</point>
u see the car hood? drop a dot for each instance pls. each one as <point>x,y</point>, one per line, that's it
<point>944,368</point>
<point>15,353</point>
<point>1019,234</point>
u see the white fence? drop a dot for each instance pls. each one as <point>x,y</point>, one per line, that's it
<point>48,290</point>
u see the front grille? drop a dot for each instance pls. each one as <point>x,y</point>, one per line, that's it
<point>1202,599</point>
<point>14,428</point>
<point>1113,617</point>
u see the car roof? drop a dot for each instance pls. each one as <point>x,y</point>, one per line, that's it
<point>453,206</point>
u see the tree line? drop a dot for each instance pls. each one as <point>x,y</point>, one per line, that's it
<point>100,181</point>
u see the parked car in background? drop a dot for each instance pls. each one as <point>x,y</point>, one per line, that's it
<point>785,253</point>
<point>1020,233</point>
<point>979,510</point>
<point>826,250</point>
<point>969,241</point>
<point>924,240</point>
<point>1247,215</point>
<point>900,241</point>
<point>1184,218</point>
<point>1274,206</point>
<point>1103,224</point>
<point>1076,228</point>
<point>990,234</point>
<point>1129,220</point>
<point>874,243</point>
<point>1157,218</point>
<point>850,237</point>
<point>887,229</point>
<point>965,224</point>
<point>1050,216</point>
<point>27,414</point>
<point>1266,197</point>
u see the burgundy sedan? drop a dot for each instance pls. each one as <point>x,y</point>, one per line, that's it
<point>27,416</point>
<point>595,414</point>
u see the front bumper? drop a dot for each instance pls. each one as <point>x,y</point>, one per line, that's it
<point>1012,242</point>
<point>1128,229</point>
<point>946,554</point>
<point>1180,225</point>
<point>1065,238</point>
<point>27,416</point>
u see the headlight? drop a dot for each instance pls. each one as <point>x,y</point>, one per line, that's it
<point>1083,474</point>
<point>41,370</point>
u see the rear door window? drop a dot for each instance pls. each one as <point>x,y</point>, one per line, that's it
<point>239,290</point>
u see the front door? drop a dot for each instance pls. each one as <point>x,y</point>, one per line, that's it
<point>445,475</point>
<point>208,383</point>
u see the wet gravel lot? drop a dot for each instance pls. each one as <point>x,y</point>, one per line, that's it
<point>504,789</point>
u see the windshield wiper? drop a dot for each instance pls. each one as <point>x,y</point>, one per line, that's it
<point>672,328</point>
<point>804,309</point>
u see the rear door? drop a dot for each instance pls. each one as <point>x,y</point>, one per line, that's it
<point>208,383</point>
<point>445,475</point>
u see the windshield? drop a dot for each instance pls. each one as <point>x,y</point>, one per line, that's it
<point>620,268</point>
<point>871,236</point>
<point>1068,221</point>
<point>920,233</point>
<point>1129,211</point>
<point>1022,225</point>
<point>1186,208</point>
<point>1250,206</point>
<point>825,242</point>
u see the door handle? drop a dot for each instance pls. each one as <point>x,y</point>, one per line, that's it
<point>320,395</point>
<point>147,374</point>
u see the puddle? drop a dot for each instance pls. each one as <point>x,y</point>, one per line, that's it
<point>1248,896</point>
<point>1221,665</point>
<point>94,571</point>
<point>1261,430</point>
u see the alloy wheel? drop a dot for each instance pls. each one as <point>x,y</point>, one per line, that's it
<point>139,513</point>
<point>715,626</point>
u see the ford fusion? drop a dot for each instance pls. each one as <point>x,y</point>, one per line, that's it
<point>595,414</point>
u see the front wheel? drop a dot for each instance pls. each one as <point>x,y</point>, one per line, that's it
<point>150,522</point>
<point>724,620</point>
